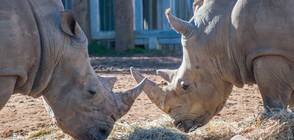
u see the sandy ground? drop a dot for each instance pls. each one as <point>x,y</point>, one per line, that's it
<point>23,114</point>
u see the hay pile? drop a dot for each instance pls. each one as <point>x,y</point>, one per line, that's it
<point>271,126</point>
<point>261,126</point>
<point>49,132</point>
<point>161,129</point>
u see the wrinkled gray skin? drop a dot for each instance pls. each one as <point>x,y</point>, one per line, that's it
<point>226,43</point>
<point>43,52</point>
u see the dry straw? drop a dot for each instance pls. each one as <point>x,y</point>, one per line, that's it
<point>261,126</point>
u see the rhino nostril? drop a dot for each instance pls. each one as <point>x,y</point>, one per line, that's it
<point>169,110</point>
<point>177,123</point>
<point>92,92</point>
<point>104,133</point>
<point>100,133</point>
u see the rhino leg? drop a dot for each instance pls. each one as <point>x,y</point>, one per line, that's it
<point>6,89</point>
<point>274,77</point>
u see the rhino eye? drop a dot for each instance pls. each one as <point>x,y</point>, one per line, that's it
<point>92,92</point>
<point>184,86</point>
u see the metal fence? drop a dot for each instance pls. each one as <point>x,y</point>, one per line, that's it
<point>151,27</point>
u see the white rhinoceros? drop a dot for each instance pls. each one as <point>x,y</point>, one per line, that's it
<point>43,52</point>
<point>226,43</point>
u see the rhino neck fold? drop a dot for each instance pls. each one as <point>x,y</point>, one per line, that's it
<point>236,53</point>
<point>217,39</point>
<point>230,65</point>
<point>47,18</point>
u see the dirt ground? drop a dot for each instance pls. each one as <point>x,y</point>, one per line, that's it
<point>23,114</point>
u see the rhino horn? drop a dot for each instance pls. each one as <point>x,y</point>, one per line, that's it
<point>180,26</point>
<point>166,74</point>
<point>153,91</point>
<point>108,82</point>
<point>127,98</point>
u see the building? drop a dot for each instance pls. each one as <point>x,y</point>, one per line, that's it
<point>151,28</point>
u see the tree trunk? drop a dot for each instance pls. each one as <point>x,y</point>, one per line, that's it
<point>124,25</point>
<point>81,10</point>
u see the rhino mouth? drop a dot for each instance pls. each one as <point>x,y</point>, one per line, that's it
<point>187,125</point>
<point>99,132</point>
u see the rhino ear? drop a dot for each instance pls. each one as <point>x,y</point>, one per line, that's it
<point>180,26</point>
<point>166,74</point>
<point>69,25</point>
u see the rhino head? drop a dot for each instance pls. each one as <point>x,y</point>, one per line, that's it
<point>82,103</point>
<point>196,91</point>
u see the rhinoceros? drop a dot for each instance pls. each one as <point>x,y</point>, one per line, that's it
<point>43,52</point>
<point>226,43</point>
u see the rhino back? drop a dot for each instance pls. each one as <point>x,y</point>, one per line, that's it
<point>31,42</point>
<point>19,43</point>
<point>261,28</point>
<point>267,23</point>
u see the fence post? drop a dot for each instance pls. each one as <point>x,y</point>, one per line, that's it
<point>173,7</point>
<point>94,17</point>
<point>138,14</point>
<point>165,5</point>
<point>152,43</point>
<point>159,14</point>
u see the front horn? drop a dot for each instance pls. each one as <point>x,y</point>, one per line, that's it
<point>126,99</point>
<point>153,91</point>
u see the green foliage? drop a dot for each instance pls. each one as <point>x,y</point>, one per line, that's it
<point>100,50</point>
<point>142,51</point>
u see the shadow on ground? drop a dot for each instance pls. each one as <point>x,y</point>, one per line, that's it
<point>121,65</point>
